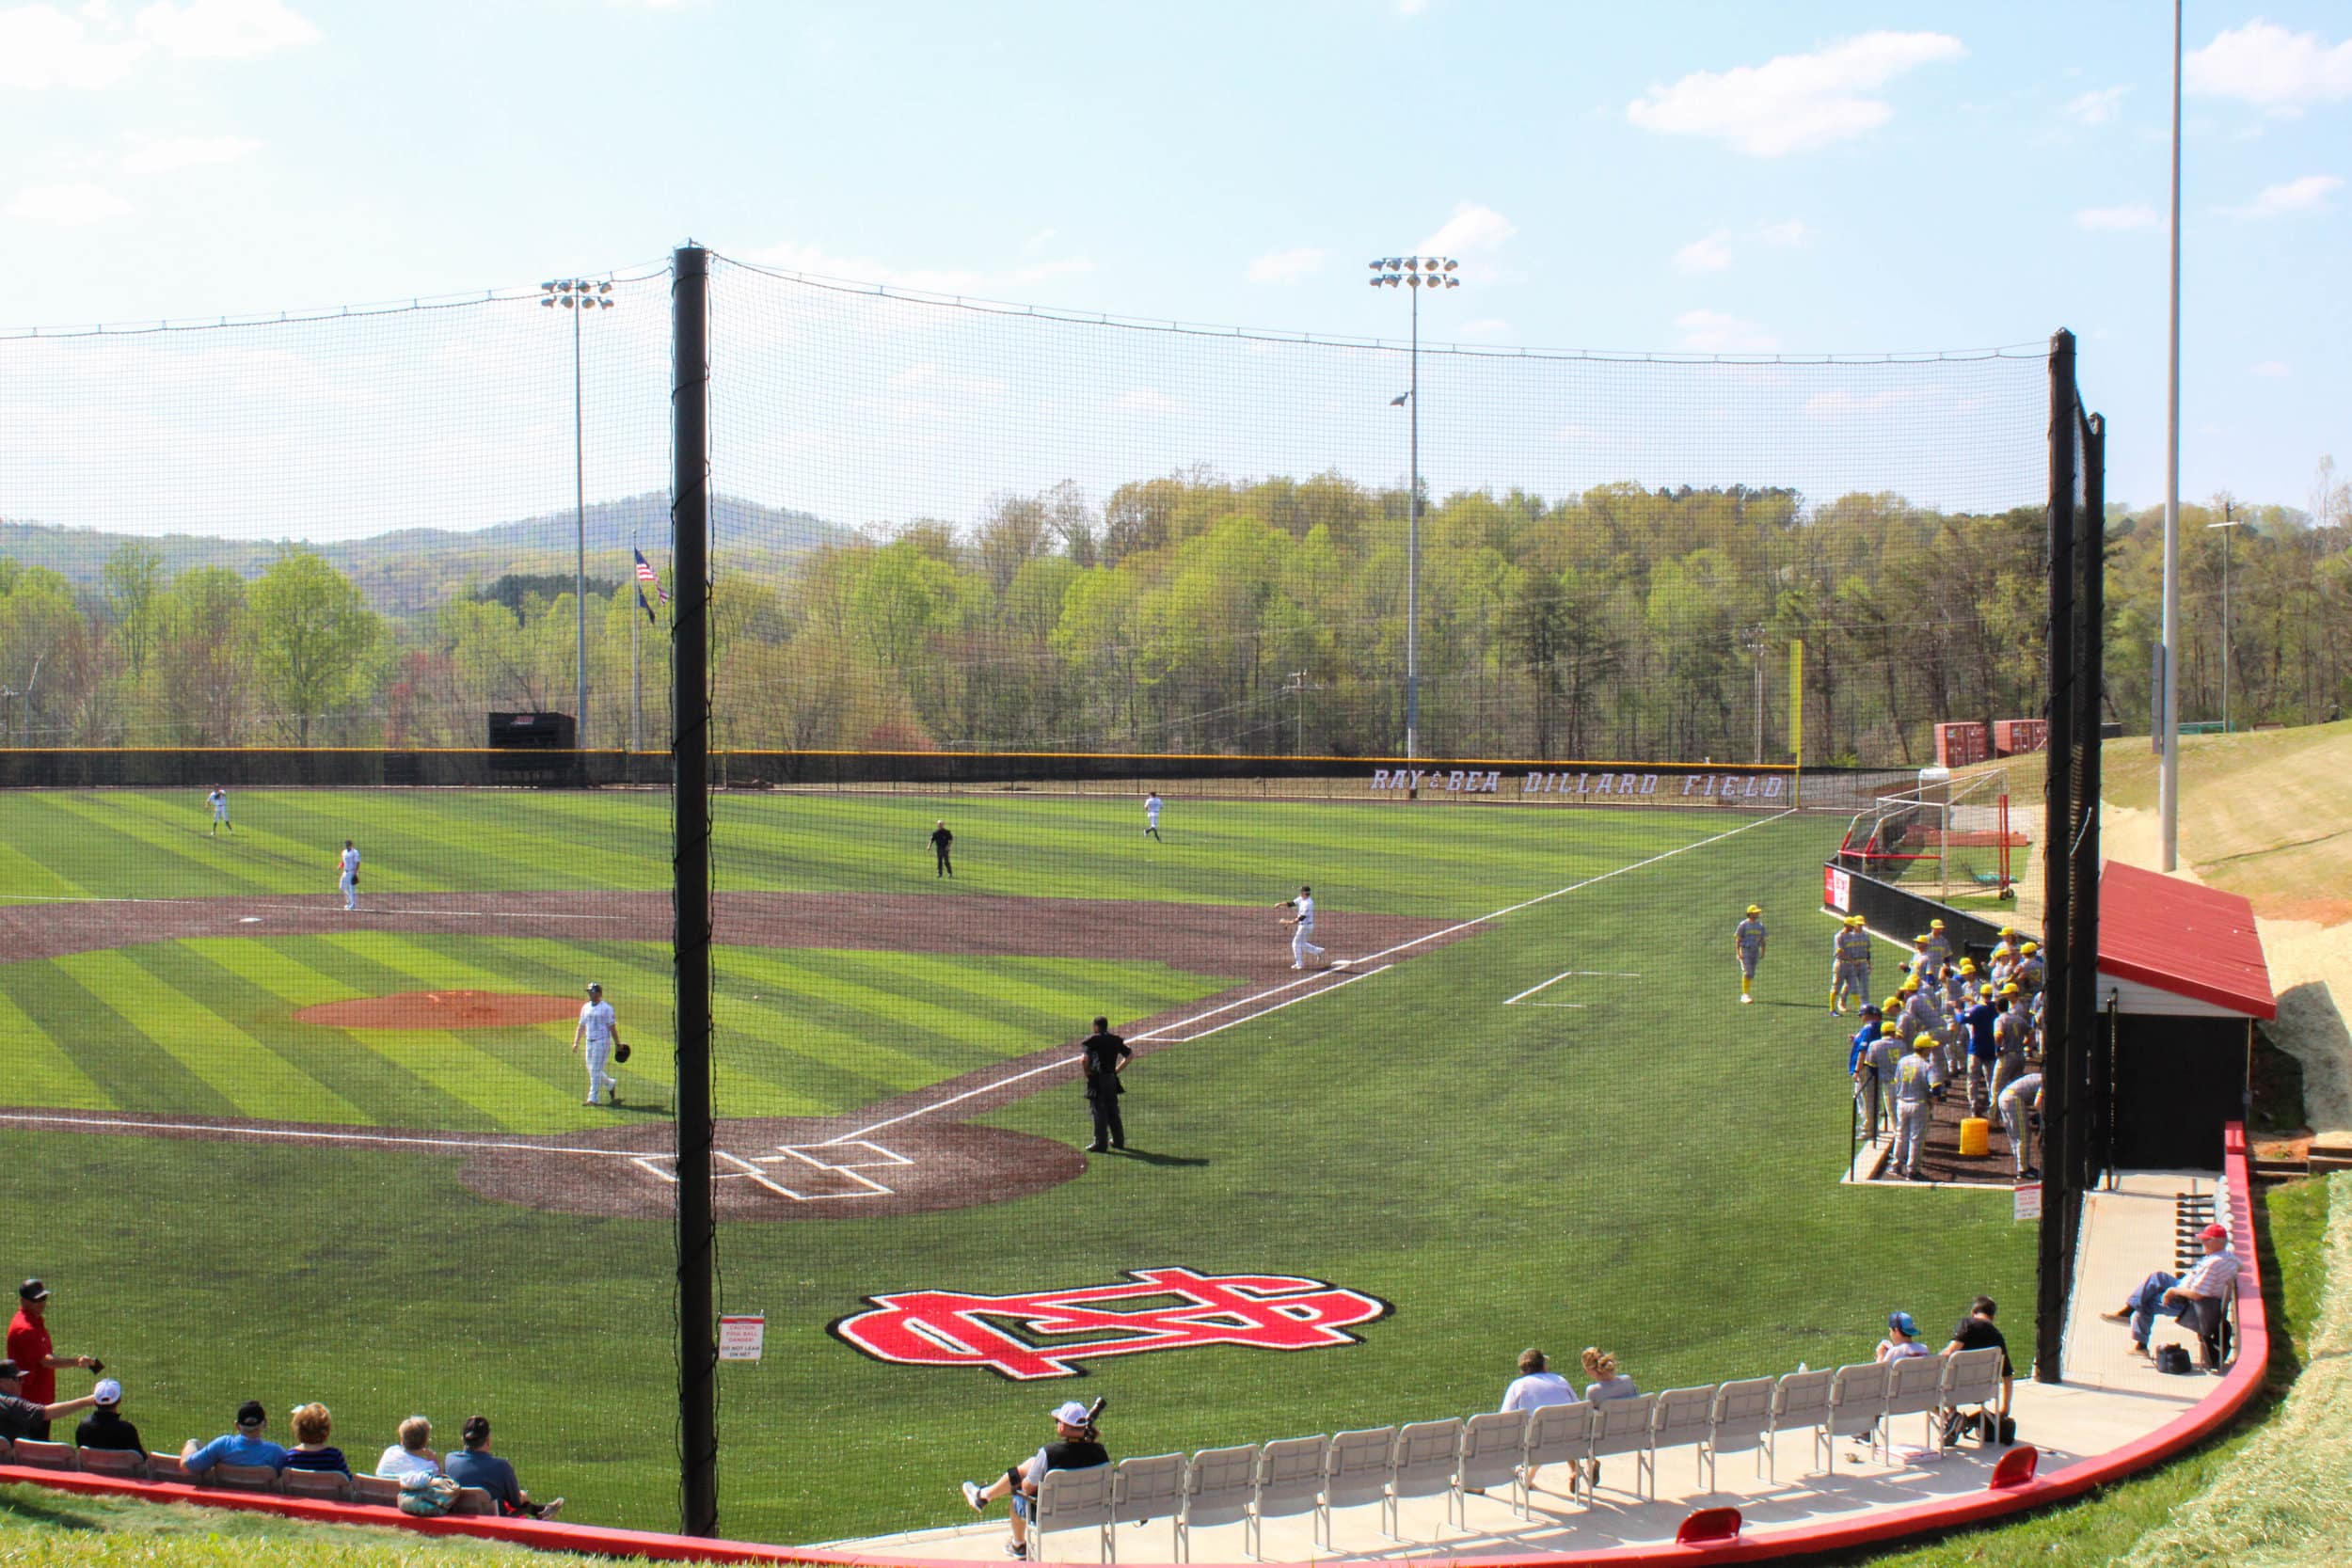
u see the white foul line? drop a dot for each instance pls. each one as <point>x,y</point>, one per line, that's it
<point>301,1135</point>
<point>1568,974</point>
<point>1246,1018</point>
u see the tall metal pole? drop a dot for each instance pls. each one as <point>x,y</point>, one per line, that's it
<point>2228,522</point>
<point>690,641</point>
<point>636,662</point>
<point>2059,807</point>
<point>1412,560</point>
<point>2168,764</point>
<point>579,515</point>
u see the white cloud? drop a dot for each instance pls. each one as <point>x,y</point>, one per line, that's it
<point>224,29</point>
<point>2271,368</point>
<point>1473,230</point>
<point>166,153</point>
<point>1792,102</point>
<point>1037,242</point>
<point>2139,215</point>
<point>65,206</point>
<point>1411,7</point>
<point>1286,266</point>
<point>795,255</point>
<point>2095,107</point>
<point>1788,233</point>
<point>2264,65</point>
<point>42,47</point>
<point>1713,332</point>
<point>1709,253</point>
<point>2308,194</point>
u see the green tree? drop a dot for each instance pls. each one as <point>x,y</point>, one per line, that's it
<point>315,640</point>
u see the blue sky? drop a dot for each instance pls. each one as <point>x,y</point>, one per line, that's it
<point>1686,177</point>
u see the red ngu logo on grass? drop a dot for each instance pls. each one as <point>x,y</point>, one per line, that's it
<point>1046,1333</point>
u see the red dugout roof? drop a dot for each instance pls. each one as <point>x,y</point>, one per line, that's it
<point>2191,940</point>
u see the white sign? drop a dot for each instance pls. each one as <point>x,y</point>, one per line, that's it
<point>740,1337</point>
<point>2026,1204</point>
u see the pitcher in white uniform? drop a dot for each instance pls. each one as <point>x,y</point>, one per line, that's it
<point>349,879</point>
<point>596,1032</point>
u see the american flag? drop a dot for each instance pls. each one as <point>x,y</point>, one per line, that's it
<point>646,573</point>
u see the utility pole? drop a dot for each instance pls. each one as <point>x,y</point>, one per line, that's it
<point>1754,644</point>
<point>1299,685</point>
<point>2169,719</point>
<point>2229,520</point>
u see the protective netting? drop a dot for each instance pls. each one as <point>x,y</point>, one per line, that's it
<point>1530,1106</point>
<point>1510,1095</point>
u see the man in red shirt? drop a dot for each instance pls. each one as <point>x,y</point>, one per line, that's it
<point>29,1348</point>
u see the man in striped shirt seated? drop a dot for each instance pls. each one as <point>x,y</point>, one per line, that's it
<point>2201,1291</point>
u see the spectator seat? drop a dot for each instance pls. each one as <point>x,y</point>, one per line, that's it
<point>1356,1469</point>
<point>1742,1419</point>
<point>45,1456</point>
<point>1799,1404</point>
<point>1219,1487</point>
<point>127,1462</point>
<point>1622,1427</point>
<point>1682,1421</point>
<point>1557,1434</point>
<point>244,1477</point>
<point>1915,1386</point>
<point>332,1486</point>
<point>1857,1401</point>
<point>1144,1489</point>
<point>376,1489</point>
<point>1066,1499</point>
<point>1426,1453</point>
<point>1493,1447</point>
<point>1290,1480</point>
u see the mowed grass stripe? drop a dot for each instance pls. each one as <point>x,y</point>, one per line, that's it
<point>810,974</point>
<point>165,862</point>
<point>24,879</point>
<point>398,861</point>
<point>36,1068</point>
<point>484,840</point>
<point>820,1033</point>
<point>443,1062</point>
<point>121,1060</point>
<point>236,1066</point>
<point>1039,997</point>
<point>269,860</point>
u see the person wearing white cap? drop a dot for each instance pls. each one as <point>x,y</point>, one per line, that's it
<point>1077,1446</point>
<point>599,1033</point>
<point>104,1427</point>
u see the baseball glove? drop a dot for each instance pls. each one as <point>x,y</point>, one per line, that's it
<point>620,1052</point>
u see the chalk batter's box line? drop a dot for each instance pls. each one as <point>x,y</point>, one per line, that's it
<point>758,1172</point>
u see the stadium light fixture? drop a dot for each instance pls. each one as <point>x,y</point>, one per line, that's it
<point>1417,272</point>
<point>579,295</point>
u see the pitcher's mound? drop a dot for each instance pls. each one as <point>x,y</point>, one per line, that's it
<point>441,1010</point>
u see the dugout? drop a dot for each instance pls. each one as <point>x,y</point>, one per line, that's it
<point>2182,981</point>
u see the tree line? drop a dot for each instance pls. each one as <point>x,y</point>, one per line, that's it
<point>1193,614</point>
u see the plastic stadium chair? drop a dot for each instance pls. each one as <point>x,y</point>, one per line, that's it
<point>1357,1466</point>
<point>244,1477</point>
<point>168,1467</point>
<point>1915,1388</point>
<point>332,1486</point>
<point>1493,1447</point>
<point>129,1464</point>
<point>1219,1485</point>
<point>1557,1434</point>
<point>1067,1500</point>
<point>1742,1418</point>
<point>1682,1420</point>
<point>383,1490</point>
<point>45,1456</point>
<point>1290,1480</point>
<point>1857,1400</point>
<point>1426,1453</point>
<point>1801,1403</point>
<point>1147,1489</point>
<point>1622,1426</point>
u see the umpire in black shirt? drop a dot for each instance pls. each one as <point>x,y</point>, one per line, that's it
<point>1106,1057</point>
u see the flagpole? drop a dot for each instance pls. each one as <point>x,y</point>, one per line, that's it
<point>636,667</point>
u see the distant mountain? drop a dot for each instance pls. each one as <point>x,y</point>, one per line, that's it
<point>411,570</point>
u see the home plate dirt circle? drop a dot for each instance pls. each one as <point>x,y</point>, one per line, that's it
<point>777,1168</point>
<point>441,1010</point>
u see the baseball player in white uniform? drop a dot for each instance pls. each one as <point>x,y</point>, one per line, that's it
<point>1152,815</point>
<point>1302,925</point>
<point>218,801</point>
<point>598,1031</point>
<point>349,879</point>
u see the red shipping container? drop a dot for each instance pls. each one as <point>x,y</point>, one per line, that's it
<point>1958,745</point>
<point>2012,736</point>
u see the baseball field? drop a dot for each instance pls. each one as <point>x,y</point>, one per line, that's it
<point>265,1148</point>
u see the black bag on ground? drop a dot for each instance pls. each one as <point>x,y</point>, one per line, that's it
<point>2172,1358</point>
<point>1997,1429</point>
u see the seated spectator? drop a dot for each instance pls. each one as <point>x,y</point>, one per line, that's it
<point>2201,1291</point>
<point>1608,1383</point>
<point>1976,1332</point>
<point>311,1425</point>
<point>245,1446</point>
<point>104,1427</point>
<point>477,1466</point>
<point>20,1418</point>
<point>1537,1385</point>
<point>1077,1446</point>
<point>1902,1338</point>
<point>413,1454</point>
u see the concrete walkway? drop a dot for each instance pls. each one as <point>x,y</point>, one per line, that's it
<point>2110,1397</point>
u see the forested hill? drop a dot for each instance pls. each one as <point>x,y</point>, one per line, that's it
<point>413,570</point>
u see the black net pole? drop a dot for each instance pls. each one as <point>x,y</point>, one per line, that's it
<point>697,1303</point>
<point>2088,1136</point>
<point>2057,871</point>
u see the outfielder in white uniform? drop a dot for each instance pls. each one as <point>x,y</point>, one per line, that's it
<point>218,801</point>
<point>1152,815</point>
<point>1302,925</point>
<point>598,1032</point>
<point>349,879</point>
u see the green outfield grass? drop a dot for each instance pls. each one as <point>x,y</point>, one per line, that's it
<point>1640,1162</point>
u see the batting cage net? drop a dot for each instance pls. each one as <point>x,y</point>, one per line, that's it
<point>1430,761</point>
